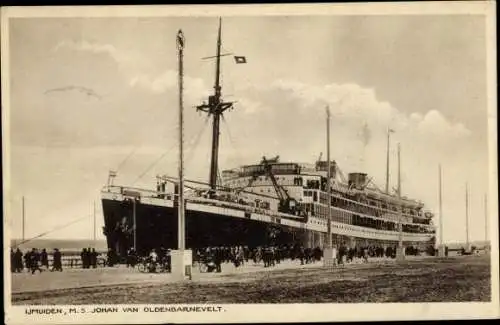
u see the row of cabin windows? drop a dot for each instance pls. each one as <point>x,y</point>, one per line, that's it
<point>348,205</point>
<point>315,184</point>
<point>283,181</point>
<point>349,228</point>
<point>339,202</point>
<point>297,181</point>
<point>311,184</point>
<point>338,216</point>
<point>353,219</point>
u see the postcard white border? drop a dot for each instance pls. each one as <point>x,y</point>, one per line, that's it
<point>272,312</point>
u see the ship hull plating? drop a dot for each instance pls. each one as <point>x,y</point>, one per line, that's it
<point>156,226</point>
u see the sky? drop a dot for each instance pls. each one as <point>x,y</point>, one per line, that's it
<point>89,95</point>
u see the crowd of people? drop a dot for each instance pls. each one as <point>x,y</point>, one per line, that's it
<point>38,260</point>
<point>268,255</point>
<point>212,257</point>
<point>89,258</point>
<point>156,257</point>
<point>272,255</point>
<point>34,260</point>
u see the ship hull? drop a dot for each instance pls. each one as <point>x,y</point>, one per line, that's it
<point>157,226</point>
<point>214,224</point>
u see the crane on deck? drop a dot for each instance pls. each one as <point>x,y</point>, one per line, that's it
<point>287,203</point>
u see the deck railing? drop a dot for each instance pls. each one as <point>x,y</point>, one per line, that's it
<point>220,203</point>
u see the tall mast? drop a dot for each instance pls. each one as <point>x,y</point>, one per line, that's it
<point>440,207</point>
<point>485,218</point>
<point>328,184</point>
<point>215,107</point>
<point>387,161</point>
<point>400,252</point>
<point>180,207</point>
<point>93,230</point>
<point>23,218</point>
<point>467,215</point>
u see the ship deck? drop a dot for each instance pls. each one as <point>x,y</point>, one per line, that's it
<point>235,210</point>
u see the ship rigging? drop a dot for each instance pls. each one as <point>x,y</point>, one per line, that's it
<point>215,107</point>
<point>268,203</point>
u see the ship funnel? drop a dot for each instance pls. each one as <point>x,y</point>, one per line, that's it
<point>357,180</point>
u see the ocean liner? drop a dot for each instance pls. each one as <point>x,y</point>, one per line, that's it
<point>266,203</point>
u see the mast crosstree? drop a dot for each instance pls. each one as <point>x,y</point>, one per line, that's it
<point>215,107</point>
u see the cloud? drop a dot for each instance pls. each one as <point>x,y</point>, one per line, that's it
<point>96,48</point>
<point>353,106</point>
<point>435,123</point>
<point>249,106</point>
<point>195,89</point>
<point>157,85</point>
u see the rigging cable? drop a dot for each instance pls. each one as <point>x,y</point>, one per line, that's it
<point>126,158</point>
<point>238,156</point>
<point>197,140</point>
<point>154,164</point>
<point>52,230</point>
<point>162,156</point>
<point>122,163</point>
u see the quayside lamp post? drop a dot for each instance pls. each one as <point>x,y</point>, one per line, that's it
<point>486,223</point>
<point>181,258</point>
<point>389,131</point>
<point>400,251</point>
<point>328,251</point>
<point>24,219</point>
<point>441,247</point>
<point>467,243</point>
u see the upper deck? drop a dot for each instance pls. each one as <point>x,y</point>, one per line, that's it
<point>314,176</point>
<point>237,209</point>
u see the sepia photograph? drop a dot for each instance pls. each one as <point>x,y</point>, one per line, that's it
<point>250,163</point>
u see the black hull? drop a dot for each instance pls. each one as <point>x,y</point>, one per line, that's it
<point>156,226</point>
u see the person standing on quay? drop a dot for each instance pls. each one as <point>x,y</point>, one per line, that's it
<point>89,258</point>
<point>18,261</point>
<point>130,257</point>
<point>12,261</point>
<point>93,258</point>
<point>34,261</point>
<point>27,259</point>
<point>83,256</point>
<point>57,263</point>
<point>44,259</point>
<point>218,258</point>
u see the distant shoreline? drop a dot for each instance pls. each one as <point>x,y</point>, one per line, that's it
<point>62,244</point>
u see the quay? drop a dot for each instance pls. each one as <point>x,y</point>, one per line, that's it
<point>417,279</point>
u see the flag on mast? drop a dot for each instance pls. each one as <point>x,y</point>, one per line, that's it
<point>240,59</point>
